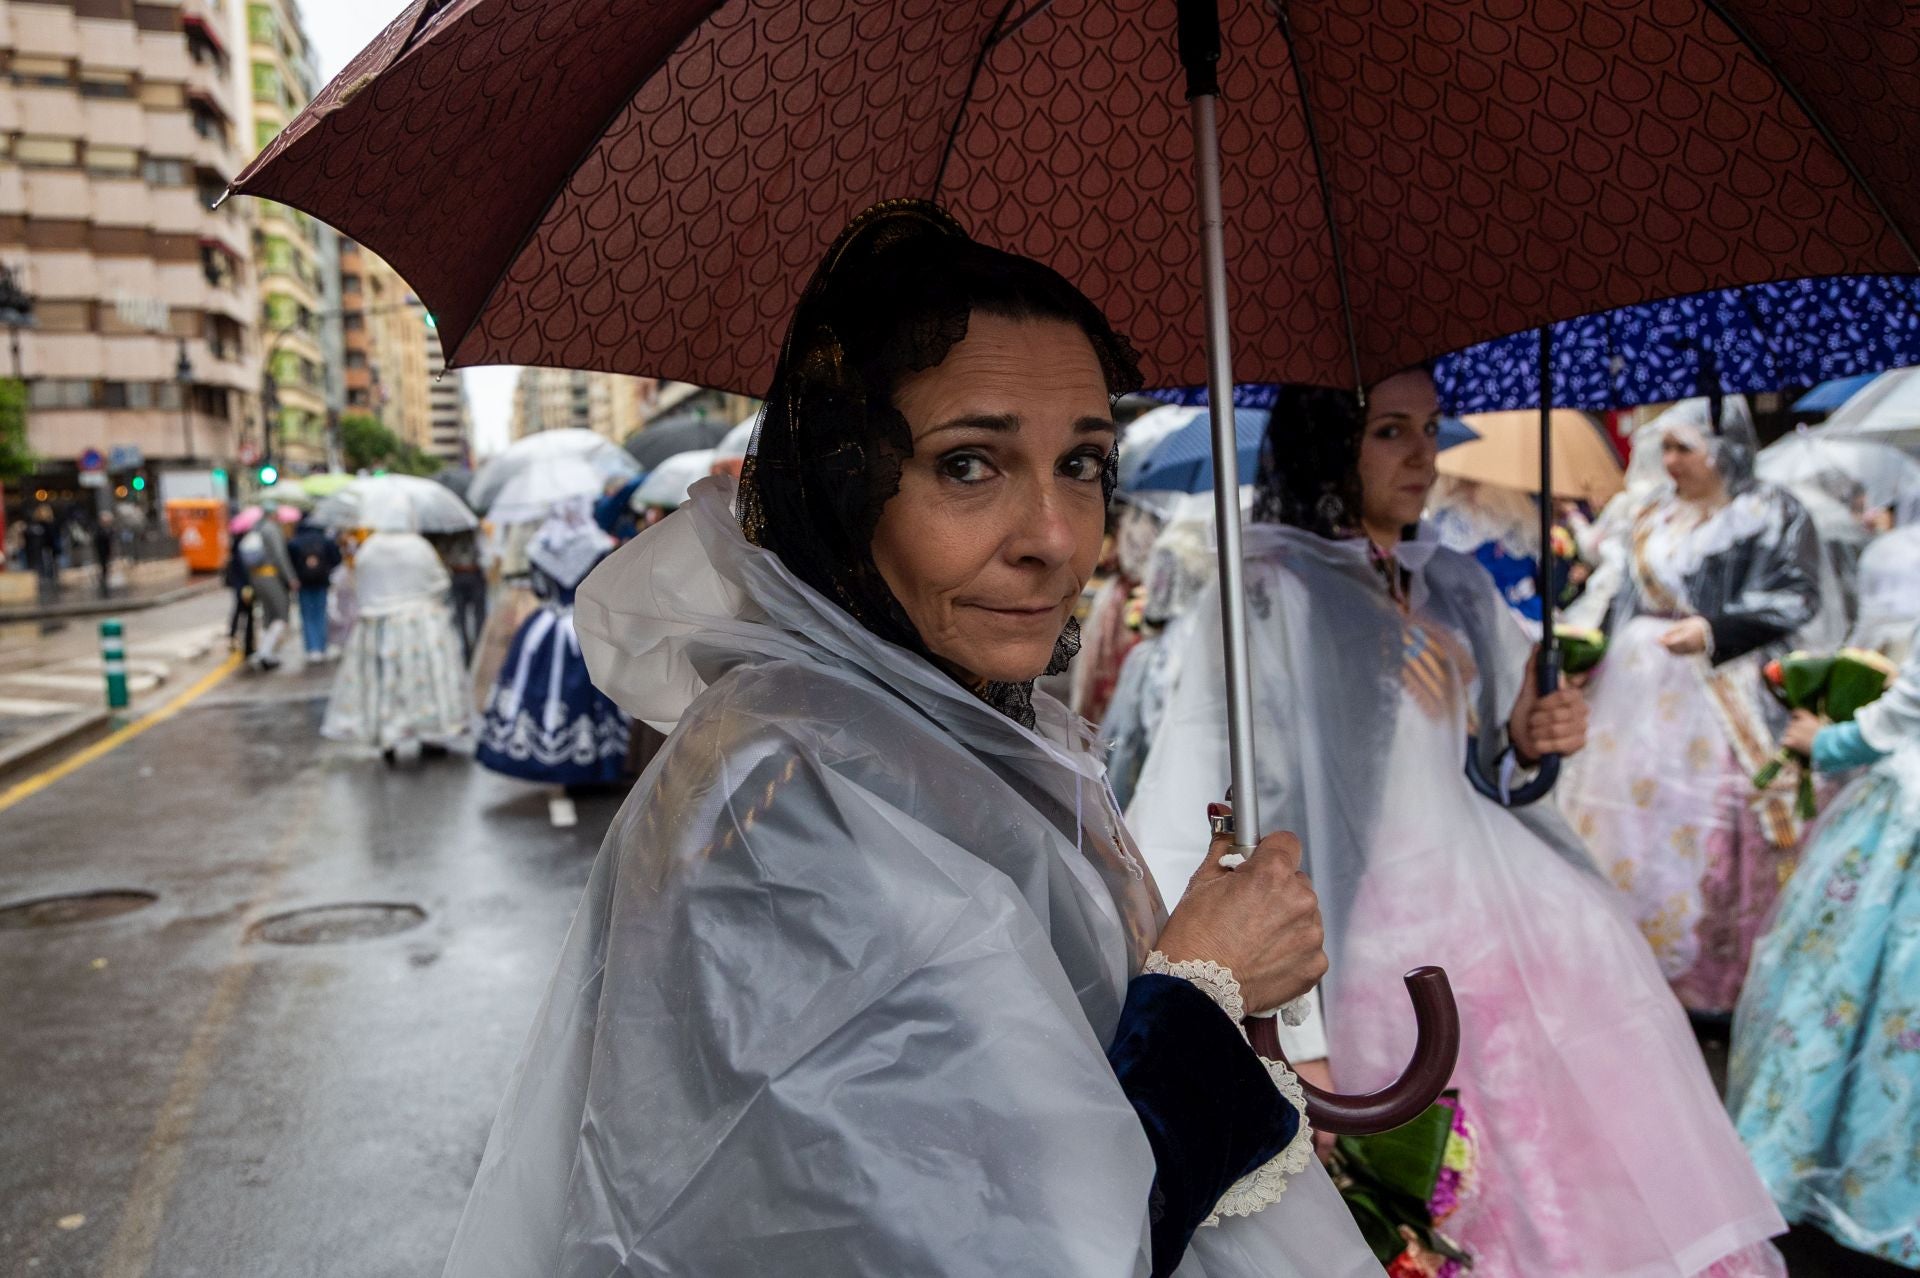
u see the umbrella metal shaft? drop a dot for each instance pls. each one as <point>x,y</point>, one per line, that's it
<point>1226,477</point>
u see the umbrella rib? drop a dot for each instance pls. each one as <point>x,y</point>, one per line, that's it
<point>1719,9</point>
<point>1002,28</point>
<point>560,188</point>
<point>1285,20</point>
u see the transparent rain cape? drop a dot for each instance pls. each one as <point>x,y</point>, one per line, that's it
<point>837,998</point>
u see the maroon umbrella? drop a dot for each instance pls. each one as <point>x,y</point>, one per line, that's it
<point>644,186</point>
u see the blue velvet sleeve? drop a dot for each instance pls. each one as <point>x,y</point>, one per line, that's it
<point>1839,746</point>
<point>1209,1107</point>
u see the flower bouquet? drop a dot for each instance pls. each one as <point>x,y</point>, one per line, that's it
<point>1402,1186</point>
<point>1580,649</point>
<point>1834,685</point>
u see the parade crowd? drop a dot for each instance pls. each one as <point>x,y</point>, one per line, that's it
<point>1671,884</point>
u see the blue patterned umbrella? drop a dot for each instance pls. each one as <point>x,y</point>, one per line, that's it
<point>1762,338</point>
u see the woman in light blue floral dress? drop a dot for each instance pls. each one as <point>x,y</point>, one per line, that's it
<point>1825,1081</point>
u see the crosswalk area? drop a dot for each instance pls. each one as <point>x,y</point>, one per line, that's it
<point>73,682</point>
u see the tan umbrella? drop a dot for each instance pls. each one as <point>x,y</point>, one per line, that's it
<point>1507,455</point>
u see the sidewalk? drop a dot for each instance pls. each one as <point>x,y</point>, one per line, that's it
<point>80,598</point>
<point>52,688</point>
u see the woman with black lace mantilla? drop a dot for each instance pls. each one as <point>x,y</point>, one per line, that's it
<point>869,979</point>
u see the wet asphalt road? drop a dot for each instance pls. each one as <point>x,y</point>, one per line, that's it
<point>181,1100</point>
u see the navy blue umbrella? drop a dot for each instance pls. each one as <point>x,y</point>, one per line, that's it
<point>1736,341</point>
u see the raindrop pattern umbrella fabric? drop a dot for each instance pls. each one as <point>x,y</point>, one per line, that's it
<point>645,185</point>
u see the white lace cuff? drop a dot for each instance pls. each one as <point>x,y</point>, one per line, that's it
<point>1260,1188</point>
<point>1210,978</point>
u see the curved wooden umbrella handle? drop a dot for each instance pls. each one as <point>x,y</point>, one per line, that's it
<point>1435,1050</point>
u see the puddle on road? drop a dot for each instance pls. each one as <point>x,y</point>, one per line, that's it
<point>328,924</point>
<point>74,907</point>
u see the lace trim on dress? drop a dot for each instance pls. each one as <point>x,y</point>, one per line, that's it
<point>1261,1187</point>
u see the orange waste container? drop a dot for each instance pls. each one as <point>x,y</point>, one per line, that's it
<point>199,524</point>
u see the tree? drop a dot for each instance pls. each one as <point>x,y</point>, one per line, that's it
<point>16,459</point>
<point>366,443</point>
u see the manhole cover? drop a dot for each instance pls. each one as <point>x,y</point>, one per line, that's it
<point>76,907</point>
<point>324,924</point>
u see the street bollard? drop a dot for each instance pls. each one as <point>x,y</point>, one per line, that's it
<point>113,659</point>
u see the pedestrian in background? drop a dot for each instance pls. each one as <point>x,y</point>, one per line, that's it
<point>104,534</point>
<point>240,621</point>
<point>1713,574</point>
<point>400,678</point>
<point>460,552</point>
<point>43,552</point>
<point>263,549</point>
<point>315,555</point>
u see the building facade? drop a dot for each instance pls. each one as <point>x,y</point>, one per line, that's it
<point>560,398</point>
<point>120,127</point>
<point>452,416</point>
<point>275,77</point>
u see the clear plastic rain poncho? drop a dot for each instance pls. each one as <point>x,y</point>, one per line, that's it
<point>1889,591</point>
<point>837,998</point>
<point>1758,556</point>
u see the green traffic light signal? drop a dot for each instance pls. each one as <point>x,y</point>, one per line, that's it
<point>269,476</point>
<point>433,321</point>
<point>139,483</point>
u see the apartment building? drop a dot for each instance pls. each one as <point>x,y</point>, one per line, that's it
<point>118,129</point>
<point>605,403</point>
<point>276,75</point>
<point>452,416</point>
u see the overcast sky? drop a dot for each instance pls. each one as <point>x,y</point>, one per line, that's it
<point>340,29</point>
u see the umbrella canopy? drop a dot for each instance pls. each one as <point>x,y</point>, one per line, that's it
<point>530,496</point>
<point>1507,455</point>
<point>1183,461</point>
<point>246,521</point>
<point>395,503</point>
<point>548,465</point>
<point>654,445</point>
<point>737,441</point>
<point>456,478</point>
<point>634,207</point>
<point>325,484</point>
<point>666,485</point>
<point>1843,467</point>
<point>1887,409</point>
<point>1829,395</point>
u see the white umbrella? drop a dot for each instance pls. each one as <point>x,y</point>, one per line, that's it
<point>736,441</point>
<point>530,495</point>
<point>1886,409</point>
<point>542,462</point>
<point>396,503</point>
<point>667,484</point>
<point>1842,466</point>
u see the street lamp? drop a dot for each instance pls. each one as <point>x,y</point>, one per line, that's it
<point>183,374</point>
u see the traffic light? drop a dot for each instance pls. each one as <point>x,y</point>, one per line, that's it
<point>433,321</point>
<point>269,475</point>
<point>139,483</point>
<point>220,477</point>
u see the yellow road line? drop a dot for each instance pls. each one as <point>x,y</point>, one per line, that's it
<point>68,766</point>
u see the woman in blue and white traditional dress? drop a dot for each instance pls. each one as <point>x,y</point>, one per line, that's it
<point>1825,1078</point>
<point>544,720</point>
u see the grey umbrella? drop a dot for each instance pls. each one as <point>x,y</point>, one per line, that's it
<point>655,444</point>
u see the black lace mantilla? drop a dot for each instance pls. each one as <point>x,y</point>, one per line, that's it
<point>892,298</point>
